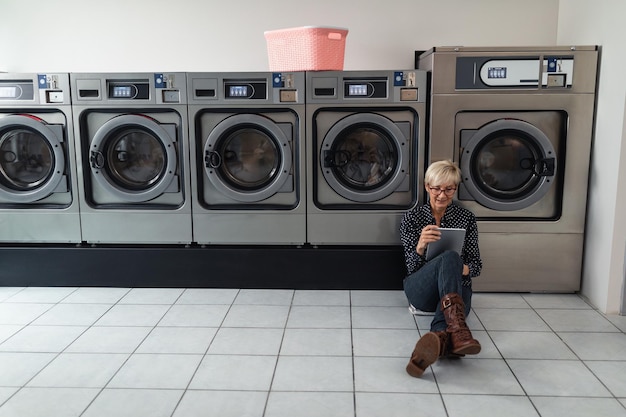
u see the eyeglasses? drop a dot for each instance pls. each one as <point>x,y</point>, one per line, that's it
<point>438,190</point>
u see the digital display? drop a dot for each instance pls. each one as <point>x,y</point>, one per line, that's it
<point>496,72</point>
<point>8,92</point>
<point>122,91</point>
<point>359,90</point>
<point>238,91</point>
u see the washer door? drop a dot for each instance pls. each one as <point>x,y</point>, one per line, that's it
<point>363,157</point>
<point>134,157</point>
<point>32,160</point>
<point>507,164</point>
<point>247,157</point>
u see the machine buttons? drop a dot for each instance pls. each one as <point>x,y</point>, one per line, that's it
<point>171,96</point>
<point>556,80</point>
<point>54,97</point>
<point>408,94</point>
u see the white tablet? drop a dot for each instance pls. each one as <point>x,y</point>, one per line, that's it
<point>451,239</point>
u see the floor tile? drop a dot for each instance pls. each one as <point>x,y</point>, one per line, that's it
<point>566,320</point>
<point>6,393</point>
<point>384,342</point>
<point>557,378</point>
<point>72,314</point>
<point>264,297</point>
<point>531,345</point>
<point>208,296</point>
<point>79,370</point>
<point>53,402</point>
<point>556,301</point>
<point>234,372</point>
<point>42,339</point>
<point>133,315</point>
<point>8,330</point>
<point>19,368</point>
<point>489,406</point>
<point>487,349</point>
<point>372,404</point>
<point>246,341</point>
<point>321,317</point>
<point>321,298</point>
<point>317,342</point>
<point>313,373</point>
<point>578,407</point>
<point>310,404</point>
<point>109,340</point>
<point>385,375</point>
<point>151,296</point>
<point>195,315</point>
<point>475,376</point>
<point>90,295</point>
<point>611,373</point>
<point>510,319</point>
<point>41,295</point>
<point>256,316</point>
<point>378,298</point>
<point>7,292</point>
<point>152,371</point>
<point>382,318</point>
<point>222,403</point>
<point>495,300</point>
<point>596,346</point>
<point>178,340</point>
<point>134,403</point>
<point>16,313</point>
<point>618,321</point>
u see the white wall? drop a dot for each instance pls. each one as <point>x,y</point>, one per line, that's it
<point>602,23</point>
<point>212,35</point>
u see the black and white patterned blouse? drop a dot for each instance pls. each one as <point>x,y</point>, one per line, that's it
<point>455,216</point>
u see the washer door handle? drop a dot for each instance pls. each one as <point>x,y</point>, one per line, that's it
<point>213,159</point>
<point>543,167</point>
<point>97,159</point>
<point>330,161</point>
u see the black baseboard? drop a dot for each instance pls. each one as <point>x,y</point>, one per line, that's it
<point>304,267</point>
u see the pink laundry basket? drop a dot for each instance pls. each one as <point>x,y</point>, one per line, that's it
<point>307,48</point>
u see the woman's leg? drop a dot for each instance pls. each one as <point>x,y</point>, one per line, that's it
<point>425,287</point>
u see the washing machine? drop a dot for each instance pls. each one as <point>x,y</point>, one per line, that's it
<point>132,153</point>
<point>38,182</point>
<point>519,122</point>
<point>247,157</point>
<point>365,154</point>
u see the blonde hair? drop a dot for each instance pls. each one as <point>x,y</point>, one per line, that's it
<point>442,173</point>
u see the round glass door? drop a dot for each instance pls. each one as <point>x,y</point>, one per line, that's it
<point>363,157</point>
<point>248,157</point>
<point>508,164</point>
<point>31,158</point>
<point>134,157</point>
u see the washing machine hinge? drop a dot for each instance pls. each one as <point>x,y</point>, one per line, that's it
<point>97,159</point>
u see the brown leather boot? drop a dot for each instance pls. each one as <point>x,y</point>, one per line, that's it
<point>461,340</point>
<point>430,347</point>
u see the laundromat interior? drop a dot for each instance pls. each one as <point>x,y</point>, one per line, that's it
<point>193,71</point>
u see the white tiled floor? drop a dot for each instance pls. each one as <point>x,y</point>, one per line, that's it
<point>103,352</point>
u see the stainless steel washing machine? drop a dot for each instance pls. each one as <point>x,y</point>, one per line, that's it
<point>519,122</point>
<point>247,160</point>
<point>132,153</point>
<point>365,154</point>
<point>38,181</point>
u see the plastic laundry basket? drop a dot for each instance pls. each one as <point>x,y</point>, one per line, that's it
<point>308,48</point>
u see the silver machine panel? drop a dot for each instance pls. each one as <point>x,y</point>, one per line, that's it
<point>247,157</point>
<point>38,178</point>
<point>132,152</point>
<point>519,122</point>
<point>365,153</point>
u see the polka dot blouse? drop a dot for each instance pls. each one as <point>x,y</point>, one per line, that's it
<point>455,216</point>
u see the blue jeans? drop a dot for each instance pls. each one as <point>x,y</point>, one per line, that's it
<point>426,287</point>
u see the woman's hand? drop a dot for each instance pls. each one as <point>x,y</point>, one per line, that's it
<point>466,270</point>
<point>429,234</point>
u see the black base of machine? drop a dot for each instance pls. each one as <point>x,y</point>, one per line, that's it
<point>303,267</point>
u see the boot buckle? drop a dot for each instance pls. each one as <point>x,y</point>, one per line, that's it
<point>446,302</point>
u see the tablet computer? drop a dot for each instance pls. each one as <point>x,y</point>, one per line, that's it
<point>451,239</point>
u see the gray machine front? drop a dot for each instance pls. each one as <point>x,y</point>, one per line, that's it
<point>365,153</point>
<point>247,157</point>
<point>132,150</point>
<point>519,123</point>
<point>38,180</point>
